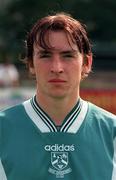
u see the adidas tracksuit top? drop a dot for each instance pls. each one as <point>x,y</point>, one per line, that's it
<point>33,148</point>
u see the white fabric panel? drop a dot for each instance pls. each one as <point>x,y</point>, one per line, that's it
<point>2,172</point>
<point>114,162</point>
<point>34,117</point>
<point>77,123</point>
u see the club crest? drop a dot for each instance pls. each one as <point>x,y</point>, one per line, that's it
<point>59,155</point>
<point>59,164</point>
<point>59,160</point>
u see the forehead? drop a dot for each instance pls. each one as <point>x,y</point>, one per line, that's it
<point>58,40</point>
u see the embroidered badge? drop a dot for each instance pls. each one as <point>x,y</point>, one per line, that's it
<point>59,159</point>
<point>59,162</point>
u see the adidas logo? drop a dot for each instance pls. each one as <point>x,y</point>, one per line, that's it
<point>57,147</point>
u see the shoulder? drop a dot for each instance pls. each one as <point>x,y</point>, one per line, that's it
<point>101,121</point>
<point>100,112</point>
<point>12,112</point>
<point>11,120</point>
<point>101,118</point>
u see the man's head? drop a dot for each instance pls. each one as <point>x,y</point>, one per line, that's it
<point>58,22</point>
<point>58,55</point>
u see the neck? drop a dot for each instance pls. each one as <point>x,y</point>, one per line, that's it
<point>57,109</point>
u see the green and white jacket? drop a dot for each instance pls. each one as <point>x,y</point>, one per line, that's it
<point>32,147</point>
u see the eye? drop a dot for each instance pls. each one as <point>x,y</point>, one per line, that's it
<point>68,56</point>
<point>45,55</point>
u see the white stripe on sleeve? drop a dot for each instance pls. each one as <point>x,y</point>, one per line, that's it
<point>114,162</point>
<point>2,172</point>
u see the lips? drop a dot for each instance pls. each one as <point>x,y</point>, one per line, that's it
<point>56,81</point>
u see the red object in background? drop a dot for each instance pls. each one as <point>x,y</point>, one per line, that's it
<point>103,98</point>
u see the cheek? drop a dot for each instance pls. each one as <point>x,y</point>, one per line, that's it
<point>77,69</point>
<point>75,76</point>
<point>36,67</point>
<point>40,73</point>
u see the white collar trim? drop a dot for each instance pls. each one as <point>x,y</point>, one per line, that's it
<point>74,127</point>
<point>79,120</point>
<point>34,117</point>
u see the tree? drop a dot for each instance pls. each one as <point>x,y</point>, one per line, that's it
<point>18,17</point>
<point>99,15</point>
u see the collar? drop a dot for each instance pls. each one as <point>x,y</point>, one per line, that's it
<point>71,123</point>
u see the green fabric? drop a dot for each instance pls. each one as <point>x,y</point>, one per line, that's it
<point>28,154</point>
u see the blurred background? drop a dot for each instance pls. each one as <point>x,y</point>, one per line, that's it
<point>16,19</point>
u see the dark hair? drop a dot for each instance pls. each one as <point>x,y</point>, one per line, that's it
<point>58,22</point>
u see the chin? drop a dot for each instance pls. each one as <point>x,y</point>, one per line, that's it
<point>58,96</point>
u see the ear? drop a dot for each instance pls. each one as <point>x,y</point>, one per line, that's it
<point>32,70</point>
<point>31,67</point>
<point>87,64</point>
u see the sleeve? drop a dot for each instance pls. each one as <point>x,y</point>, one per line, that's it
<point>114,144</point>
<point>2,172</point>
<point>0,135</point>
<point>114,161</point>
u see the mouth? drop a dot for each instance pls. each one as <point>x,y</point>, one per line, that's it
<point>57,81</point>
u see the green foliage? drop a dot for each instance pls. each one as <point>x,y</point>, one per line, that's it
<point>99,16</point>
<point>19,16</point>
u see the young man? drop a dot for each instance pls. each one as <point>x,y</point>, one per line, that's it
<point>56,134</point>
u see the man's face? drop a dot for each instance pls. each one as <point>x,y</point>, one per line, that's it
<point>58,70</point>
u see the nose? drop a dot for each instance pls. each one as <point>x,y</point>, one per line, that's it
<point>57,65</point>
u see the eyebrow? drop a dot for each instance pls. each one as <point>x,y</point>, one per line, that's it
<point>43,51</point>
<point>61,52</point>
<point>69,52</point>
